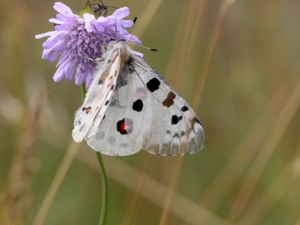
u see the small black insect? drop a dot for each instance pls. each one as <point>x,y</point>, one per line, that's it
<point>99,7</point>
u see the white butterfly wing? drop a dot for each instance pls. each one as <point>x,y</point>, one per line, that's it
<point>145,112</point>
<point>175,127</point>
<point>97,98</point>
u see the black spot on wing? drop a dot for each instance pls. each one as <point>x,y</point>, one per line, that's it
<point>153,84</point>
<point>175,119</point>
<point>176,135</point>
<point>138,105</point>
<point>87,109</point>
<point>184,108</point>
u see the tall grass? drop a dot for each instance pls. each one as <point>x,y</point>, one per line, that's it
<point>70,154</point>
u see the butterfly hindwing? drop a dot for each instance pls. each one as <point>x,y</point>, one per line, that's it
<point>98,96</point>
<point>175,127</point>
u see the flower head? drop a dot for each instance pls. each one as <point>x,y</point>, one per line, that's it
<point>77,41</point>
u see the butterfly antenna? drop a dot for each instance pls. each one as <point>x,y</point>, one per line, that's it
<point>142,46</point>
<point>150,49</point>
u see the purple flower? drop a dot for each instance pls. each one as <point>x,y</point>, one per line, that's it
<point>77,41</point>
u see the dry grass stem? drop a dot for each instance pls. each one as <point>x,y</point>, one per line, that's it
<point>56,183</point>
<point>14,205</point>
<point>134,197</point>
<point>225,5</point>
<point>245,151</point>
<point>191,39</point>
<point>168,199</point>
<point>296,171</point>
<point>196,10</point>
<point>180,43</point>
<point>279,127</point>
<point>277,189</point>
<point>183,42</point>
<point>146,17</point>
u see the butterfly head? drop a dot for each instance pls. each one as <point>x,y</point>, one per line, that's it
<point>121,46</point>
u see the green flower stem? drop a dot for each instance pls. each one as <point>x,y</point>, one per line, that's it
<point>83,90</point>
<point>104,181</point>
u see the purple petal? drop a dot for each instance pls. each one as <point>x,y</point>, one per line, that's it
<point>56,21</point>
<point>122,32</point>
<point>66,26</point>
<point>51,56</point>
<point>68,68</point>
<point>59,74</point>
<point>52,40</point>
<point>58,46</point>
<point>99,27</point>
<point>63,58</point>
<point>88,80</point>
<point>121,13</point>
<point>110,21</point>
<point>89,19</point>
<point>62,8</point>
<point>126,23</point>
<point>133,38</point>
<point>80,74</point>
<point>71,19</point>
<point>100,24</point>
<point>46,34</point>
<point>70,71</point>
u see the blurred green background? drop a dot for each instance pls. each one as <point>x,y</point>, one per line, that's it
<point>248,51</point>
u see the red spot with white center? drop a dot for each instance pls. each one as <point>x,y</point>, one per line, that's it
<point>125,126</point>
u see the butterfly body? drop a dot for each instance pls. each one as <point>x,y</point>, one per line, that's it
<point>130,107</point>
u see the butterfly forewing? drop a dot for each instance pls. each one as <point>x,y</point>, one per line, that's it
<point>98,96</point>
